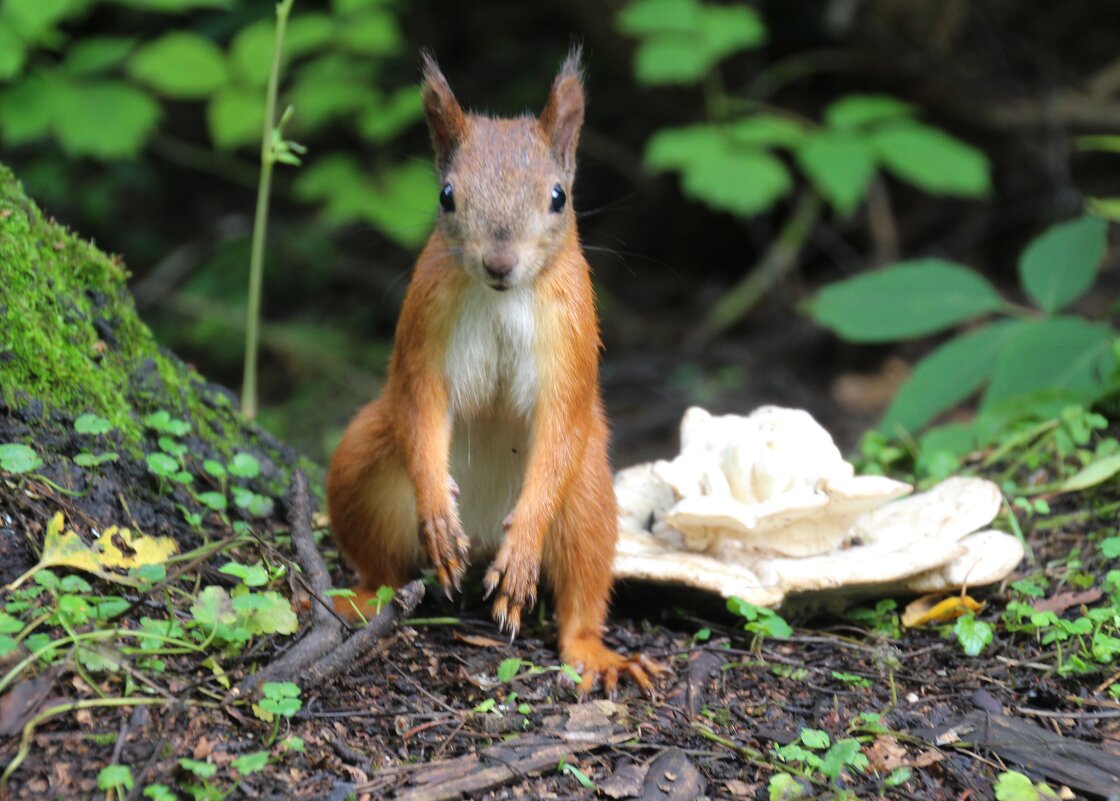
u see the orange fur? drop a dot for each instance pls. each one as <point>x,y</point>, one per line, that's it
<point>390,487</point>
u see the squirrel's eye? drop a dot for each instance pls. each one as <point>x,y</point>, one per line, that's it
<point>447,198</point>
<point>558,199</point>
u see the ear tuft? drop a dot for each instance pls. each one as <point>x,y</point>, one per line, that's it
<point>562,117</point>
<point>446,120</point>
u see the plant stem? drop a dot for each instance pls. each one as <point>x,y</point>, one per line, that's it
<point>260,222</point>
<point>779,258</point>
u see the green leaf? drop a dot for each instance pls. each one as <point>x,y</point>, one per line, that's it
<point>947,376</point>
<point>909,299</point>
<point>1014,786</point>
<point>508,669</point>
<point>932,160</point>
<point>815,738</point>
<point>250,575</point>
<point>163,421</point>
<point>374,33</point>
<point>97,54</point>
<point>1059,266</point>
<point>250,53</point>
<point>719,172</point>
<point>106,120</point>
<point>1107,208</point>
<point>35,20</point>
<point>651,17</point>
<point>162,465</point>
<point>17,458</point>
<point>783,787</point>
<point>767,130</point>
<point>308,33</point>
<point>244,465</point>
<point>112,776</point>
<point>267,612</point>
<point>180,65</point>
<point>213,607</point>
<point>202,770</point>
<point>92,424</point>
<point>388,118</point>
<point>861,111</point>
<point>26,108</point>
<point>1062,358</point>
<point>213,500</point>
<point>235,116</point>
<point>174,6</point>
<point>251,763</point>
<point>692,42</point>
<point>973,635</point>
<point>840,166</point>
<point>1108,144</point>
<point>12,53</point>
<point>1110,547</point>
<point>1094,473</point>
<point>330,87</point>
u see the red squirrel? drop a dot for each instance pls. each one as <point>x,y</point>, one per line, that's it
<point>490,436</point>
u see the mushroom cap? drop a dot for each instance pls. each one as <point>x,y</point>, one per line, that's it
<point>763,506</point>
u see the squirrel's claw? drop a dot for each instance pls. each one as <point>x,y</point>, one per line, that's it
<point>448,549</point>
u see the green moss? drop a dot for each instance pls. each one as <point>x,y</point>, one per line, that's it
<point>72,341</point>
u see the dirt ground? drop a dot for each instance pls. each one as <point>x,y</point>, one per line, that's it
<point>423,715</point>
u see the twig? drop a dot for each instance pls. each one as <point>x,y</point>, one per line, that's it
<point>326,629</point>
<point>779,259</point>
<point>322,653</point>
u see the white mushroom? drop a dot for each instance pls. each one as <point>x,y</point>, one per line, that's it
<point>764,506</point>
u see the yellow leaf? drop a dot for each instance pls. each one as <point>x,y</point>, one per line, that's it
<point>121,548</point>
<point>116,548</point>
<point>928,609</point>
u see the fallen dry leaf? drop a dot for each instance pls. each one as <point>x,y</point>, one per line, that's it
<point>929,609</point>
<point>479,640</point>
<point>885,754</point>
<point>1062,601</point>
<point>115,548</point>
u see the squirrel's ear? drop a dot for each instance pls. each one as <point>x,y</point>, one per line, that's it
<point>446,120</point>
<point>563,114</point>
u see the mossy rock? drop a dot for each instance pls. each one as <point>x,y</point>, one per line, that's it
<point>72,344</point>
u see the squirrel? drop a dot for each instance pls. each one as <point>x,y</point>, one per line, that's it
<point>489,435</point>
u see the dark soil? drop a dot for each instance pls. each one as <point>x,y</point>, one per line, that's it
<point>400,722</point>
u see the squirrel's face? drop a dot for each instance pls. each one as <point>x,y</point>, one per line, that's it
<point>504,206</point>
<point>505,184</point>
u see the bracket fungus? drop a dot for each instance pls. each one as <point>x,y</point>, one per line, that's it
<point>764,507</point>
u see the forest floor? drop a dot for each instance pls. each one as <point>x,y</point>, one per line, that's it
<point>444,707</point>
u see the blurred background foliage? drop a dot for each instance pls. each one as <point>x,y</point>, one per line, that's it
<point>736,158</point>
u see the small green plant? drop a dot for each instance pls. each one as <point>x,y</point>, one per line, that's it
<point>247,764</point>
<point>159,792</point>
<point>1014,786</point>
<point>1037,360</point>
<point>281,700</point>
<point>814,752</point>
<point>882,619</point>
<point>852,680</point>
<point>115,780</point>
<point>92,424</point>
<point>733,161</point>
<point>566,768</point>
<point>761,622</point>
<point>973,634</point>
<point>17,458</point>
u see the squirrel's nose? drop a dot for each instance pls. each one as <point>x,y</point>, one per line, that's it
<point>500,263</point>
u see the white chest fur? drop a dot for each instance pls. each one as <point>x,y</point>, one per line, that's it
<point>491,373</point>
<point>491,360</point>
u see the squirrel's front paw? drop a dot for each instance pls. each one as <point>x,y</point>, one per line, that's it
<point>448,548</point>
<point>514,574</point>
